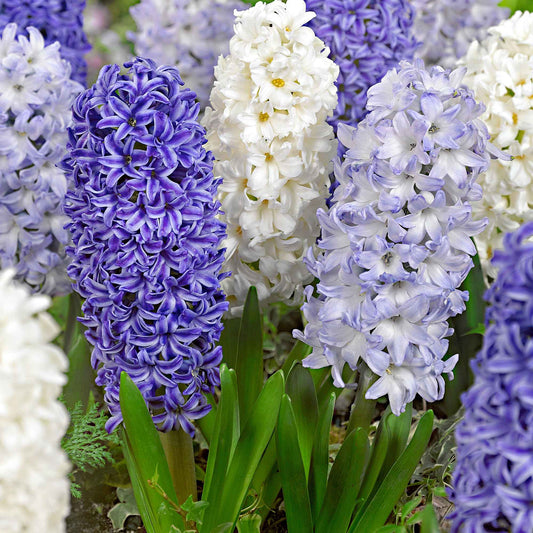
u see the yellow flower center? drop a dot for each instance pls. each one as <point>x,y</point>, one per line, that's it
<point>263,117</point>
<point>268,157</point>
<point>278,82</point>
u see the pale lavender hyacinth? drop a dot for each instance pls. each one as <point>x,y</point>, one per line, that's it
<point>396,242</point>
<point>36,93</point>
<point>190,34</point>
<point>447,27</point>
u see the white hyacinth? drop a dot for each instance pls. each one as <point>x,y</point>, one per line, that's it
<point>34,488</point>
<point>500,72</point>
<point>190,34</point>
<point>267,130</point>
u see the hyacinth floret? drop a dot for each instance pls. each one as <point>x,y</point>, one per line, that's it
<point>190,34</point>
<point>34,487</point>
<point>493,478</point>
<point>500,74</point>
<point>57,20</point>
<point>146,240</point>
<point>36,93</point>
<point>395,245</point>
<point>366,38</point>
<point>447,27</point>
<point>267,129</point>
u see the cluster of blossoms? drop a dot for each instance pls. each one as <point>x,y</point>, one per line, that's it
<point>500,72</point>
<point>493,478</point>
<point>146,240</point>
<point>36,93</point>
<point>190,34</point>
<point>396,242</point>
<point>447,27</point>
<point>267,129</point>
<point>57,20</point>
<point>34,487</point>
<point>367,38</point>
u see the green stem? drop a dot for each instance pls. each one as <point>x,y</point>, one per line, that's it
<point>71,327</point>
<point>180,456</point>
<point>362,410</point>
<point>80,373</point>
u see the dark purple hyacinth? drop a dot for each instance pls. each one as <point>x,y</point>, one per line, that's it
<point>366,38</point>
<point>57,20</point>
<point>146,240</point>
<point>493,479</point>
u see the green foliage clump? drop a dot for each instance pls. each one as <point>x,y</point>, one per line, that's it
<point>87,442</point>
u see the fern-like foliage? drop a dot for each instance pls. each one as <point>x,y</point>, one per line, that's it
<point>87,442</point>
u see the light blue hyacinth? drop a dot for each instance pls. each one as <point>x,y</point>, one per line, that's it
<point>396,243</point>
<point>36,93</point>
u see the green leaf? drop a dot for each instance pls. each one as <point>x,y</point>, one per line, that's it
<point>140,490</point>
<point>207,422</point>
<point>229,340</point>
<point>249,363</point>
<point>195,510</point>
<point>147,457</point>
<point>478,330</point>
<point>429,524</point>
<point>250,447</point>
<point>301,390</point>
<point>344,483</point>
<point>127,507</point>
<point>225,434</point>
<point>291,467</point>
<point>390,528</point>
<point>249,524</point>
<point>299,352</point>
<point>318,474</point>
<point>375,512</point>
<point>399,428</point>
<point>80,372</point>
<point>380,448</point>
<point>410,506</point>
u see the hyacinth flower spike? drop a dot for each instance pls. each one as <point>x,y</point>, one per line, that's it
<point>493,477</point>
<point>34,487</point>
<point>366,39</point>
<point>36,93</point>
<point>499,71</point>
<point>268,132</point>
<point>447,27</point>
<point>59,21</point>
<point>190,34</point>
<point>395,245</point>
<point>146,243</point>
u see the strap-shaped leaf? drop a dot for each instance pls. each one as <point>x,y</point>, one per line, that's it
<point>399,428</point>
<point>301,390</point>
<point>375,512</point>
<point>249,363</point>
<point>293,480</point>
<point>148,461</point>
<point>229,340</point>
<point>318,473</point>
<point>299,352</point>
<point>344,483</point>
<point>250,447</point>
<point>225,435</point>
<point>430,523</point>
<point>207,422</point>
<point>379,449</point>
<point>148,514</point>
